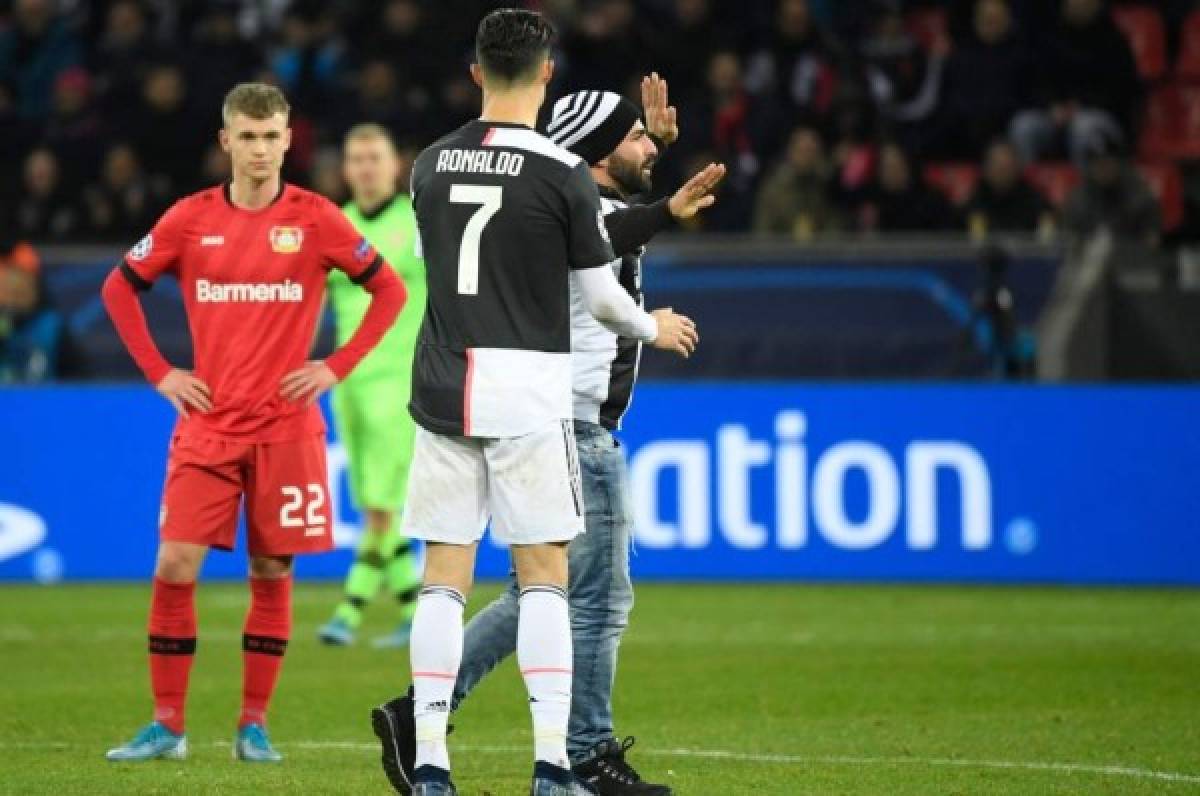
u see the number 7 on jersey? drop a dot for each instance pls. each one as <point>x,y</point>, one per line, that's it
<point>489,198</point>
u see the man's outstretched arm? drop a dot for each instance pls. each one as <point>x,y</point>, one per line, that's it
<point>630,228</point>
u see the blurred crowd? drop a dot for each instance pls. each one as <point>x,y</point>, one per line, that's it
<point>834,116</point>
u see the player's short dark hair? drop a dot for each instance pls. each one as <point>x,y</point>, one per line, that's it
<point>255,100</point>
<point>511,42</point>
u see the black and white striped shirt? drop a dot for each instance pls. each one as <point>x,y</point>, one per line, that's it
<point>604,366</point>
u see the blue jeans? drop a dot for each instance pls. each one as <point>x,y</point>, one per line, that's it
<point>601,597</point>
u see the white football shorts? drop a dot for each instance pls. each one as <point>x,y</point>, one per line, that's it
<point>528,487</point>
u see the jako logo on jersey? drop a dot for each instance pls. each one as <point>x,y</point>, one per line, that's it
<point>806,480</point>
<point>363,251</point>
<point>141,250</point>
<point>20,531</point>
<point>212,240</point>
<point>220,293</point>
<point>286,240</point>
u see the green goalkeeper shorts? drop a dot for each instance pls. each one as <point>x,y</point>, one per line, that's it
<point>377,432</point>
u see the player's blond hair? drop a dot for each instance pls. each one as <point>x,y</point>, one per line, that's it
<point>254,100</point>
<point>368,131</point>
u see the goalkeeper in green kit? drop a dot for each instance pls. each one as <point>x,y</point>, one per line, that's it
<point>370,408</point>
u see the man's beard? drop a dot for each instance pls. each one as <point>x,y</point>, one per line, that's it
<point>631,178</point>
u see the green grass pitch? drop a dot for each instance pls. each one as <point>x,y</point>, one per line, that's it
<point>788,689</point>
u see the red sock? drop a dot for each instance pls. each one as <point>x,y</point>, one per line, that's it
<point>172,631</point>
<point>268,626</point>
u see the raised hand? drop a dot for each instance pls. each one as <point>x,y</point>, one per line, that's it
<point>307,383</point>
<point>184,390</point>
<point>697,193</point>
<point>660,117</point>
<point>676,332</point>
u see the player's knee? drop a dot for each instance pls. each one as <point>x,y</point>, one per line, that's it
<point>177,565</point>
<point>173,571</point>
<point>270,566</point>
<point>541,564</point>
<point>449,565</point>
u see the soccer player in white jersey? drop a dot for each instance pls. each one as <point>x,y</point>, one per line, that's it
<point>504,218</point>
<point>606,131</point>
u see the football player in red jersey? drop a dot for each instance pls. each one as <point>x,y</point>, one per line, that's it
<point>251,258</point>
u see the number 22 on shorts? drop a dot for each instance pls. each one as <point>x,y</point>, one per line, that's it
<point>313,521</point>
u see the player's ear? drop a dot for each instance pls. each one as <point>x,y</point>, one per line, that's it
<point>223,139</point>
<point>547,71</point>
<point>287,138</point>
<point>477,75</point>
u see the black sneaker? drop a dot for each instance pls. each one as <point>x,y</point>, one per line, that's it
<point>396,730</point>
<point>397,733</point>
<point>608,774</point>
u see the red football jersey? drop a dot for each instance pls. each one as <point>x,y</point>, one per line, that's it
<point>253,284</point>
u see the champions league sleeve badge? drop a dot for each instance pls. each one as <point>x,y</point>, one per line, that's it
<point>362,252</point>
<point>141,250</point>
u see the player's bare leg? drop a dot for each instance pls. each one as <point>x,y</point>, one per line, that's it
<point>172,645</point>
<point>544,656</point>
<point>264,641</point>
<point>435,652</point>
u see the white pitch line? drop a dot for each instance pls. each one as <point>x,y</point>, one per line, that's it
<point>840,760</point>
<point>756,757</point>
<point>1077,768</point>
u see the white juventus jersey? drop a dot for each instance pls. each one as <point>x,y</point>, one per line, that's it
<point>603,365</point>
<point>503,216</point>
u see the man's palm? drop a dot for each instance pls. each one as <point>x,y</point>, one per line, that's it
<point>660,117</point>
<point>697,193</point>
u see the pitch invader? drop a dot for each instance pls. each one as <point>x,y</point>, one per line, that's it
<point>251,258</point>
<point>492,389</point>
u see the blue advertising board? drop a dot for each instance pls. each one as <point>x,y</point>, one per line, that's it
<point>729,482</point>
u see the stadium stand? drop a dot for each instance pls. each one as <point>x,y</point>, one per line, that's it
<point>109,107</point>
<point>1143,27</point>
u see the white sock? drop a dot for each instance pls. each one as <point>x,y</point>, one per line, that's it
<point>435,650</point>
<point>544,655</point>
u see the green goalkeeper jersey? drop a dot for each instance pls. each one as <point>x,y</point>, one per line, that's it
<point>392,231</point>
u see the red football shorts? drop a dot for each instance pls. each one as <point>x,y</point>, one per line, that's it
<point>284,484</point>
